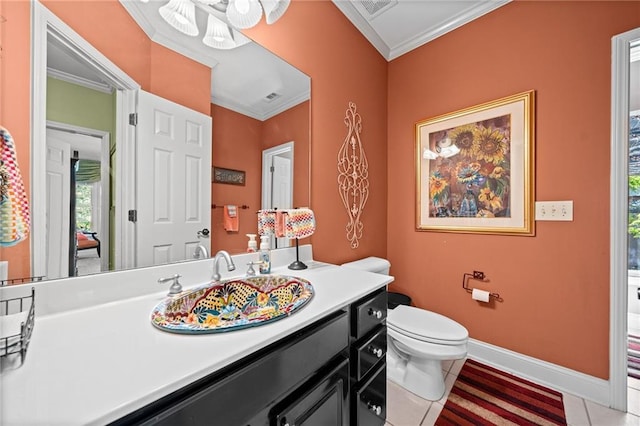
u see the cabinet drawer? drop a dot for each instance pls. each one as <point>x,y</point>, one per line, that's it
<point>371,400</point>
<point>368,313</point>
<point>369,352</point>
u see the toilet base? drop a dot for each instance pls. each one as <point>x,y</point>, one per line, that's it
<point>423,377</point>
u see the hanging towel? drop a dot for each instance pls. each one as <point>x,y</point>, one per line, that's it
<point>301,223</point>
<point>231,218</point>
<point>14,206</point>
<point>281,223</point>
<point>266,222</point>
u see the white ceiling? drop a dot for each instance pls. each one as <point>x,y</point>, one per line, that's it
<point>395,27</point>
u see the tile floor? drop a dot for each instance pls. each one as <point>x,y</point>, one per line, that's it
<point>407,409</point>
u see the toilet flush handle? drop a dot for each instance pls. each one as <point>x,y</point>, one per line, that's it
<point>375,313</point>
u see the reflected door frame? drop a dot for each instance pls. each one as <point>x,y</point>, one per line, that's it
<point>45,24</point>
<point>268,157</point>
<point>104,181</point>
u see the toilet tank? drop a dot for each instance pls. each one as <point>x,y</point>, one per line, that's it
<point>371,264</point>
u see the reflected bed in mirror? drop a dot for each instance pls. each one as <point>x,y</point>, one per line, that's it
<point>256,102</point>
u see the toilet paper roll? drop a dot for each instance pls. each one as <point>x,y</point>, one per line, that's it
<point>480,295</point>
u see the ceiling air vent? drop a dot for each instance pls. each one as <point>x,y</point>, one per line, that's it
<point>272,96</point>
<point>372,8</point>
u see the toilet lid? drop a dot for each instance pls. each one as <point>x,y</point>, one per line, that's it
<point>426,326</point>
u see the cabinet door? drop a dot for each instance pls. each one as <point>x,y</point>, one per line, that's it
<point>370,400</point>
<point>323,401</point>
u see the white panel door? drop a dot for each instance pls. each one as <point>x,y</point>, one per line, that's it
<point>58,200</point>
<point>173,169</point>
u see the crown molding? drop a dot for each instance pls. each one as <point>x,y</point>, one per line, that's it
<point>433,33</point>
<point>350,11</point>
<point>260,115</point>
<point>79,81</point>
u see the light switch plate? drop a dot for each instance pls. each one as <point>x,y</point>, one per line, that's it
<point>554,210</point>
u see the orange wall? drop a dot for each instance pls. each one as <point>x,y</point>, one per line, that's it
<point>344,68</point>
<point>235,133</point>
<point>555,285</point>
<point>292,125</point>
<point>14,106</point>
<point>157,69</point>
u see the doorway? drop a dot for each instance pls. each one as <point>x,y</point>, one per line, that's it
<point>78,173</point>
<point>277,182</point>
<point>621,107</point>
<point>48,31</point>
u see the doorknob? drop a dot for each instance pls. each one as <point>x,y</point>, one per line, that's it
<point>204,233</point>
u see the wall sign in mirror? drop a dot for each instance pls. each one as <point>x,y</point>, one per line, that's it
<point>156,65</point>
<point>230,176</point>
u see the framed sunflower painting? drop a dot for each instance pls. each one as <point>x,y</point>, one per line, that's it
<point>475,169</point>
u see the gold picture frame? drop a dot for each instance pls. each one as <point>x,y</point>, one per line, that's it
<point>475,169</point>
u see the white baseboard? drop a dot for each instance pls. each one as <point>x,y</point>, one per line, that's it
<point>553,376</point>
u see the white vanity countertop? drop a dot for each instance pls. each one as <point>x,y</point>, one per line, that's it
<point>92,366</point>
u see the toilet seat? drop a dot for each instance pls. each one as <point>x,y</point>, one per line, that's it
<point>426,326</point>
<point>425,350</point>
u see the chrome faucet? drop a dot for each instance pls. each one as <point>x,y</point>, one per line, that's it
<point>216,268</point>
<point>200,252</point>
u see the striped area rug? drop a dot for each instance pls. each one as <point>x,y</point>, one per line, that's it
<point>483,395</point>
<point>633,357</point>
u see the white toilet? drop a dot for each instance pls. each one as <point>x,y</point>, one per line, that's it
<point>417,342</point>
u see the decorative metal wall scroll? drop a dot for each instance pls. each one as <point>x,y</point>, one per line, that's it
<point>353,175</point>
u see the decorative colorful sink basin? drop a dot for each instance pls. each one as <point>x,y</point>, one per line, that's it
<point>232,304</point>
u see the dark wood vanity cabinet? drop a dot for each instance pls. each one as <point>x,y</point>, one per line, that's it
<point>368,349</point>
<point>332,372</point>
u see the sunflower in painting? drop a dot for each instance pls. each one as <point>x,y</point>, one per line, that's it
<point>489,199</point>
<point>437,184</point>
<point>468,172</point>
<point>491,145</point>
<point>463,137</point>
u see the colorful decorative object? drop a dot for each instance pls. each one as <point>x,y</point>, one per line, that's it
<point>14,205</point>
<point>353,175</point>
<point>475,169</point>
<point>232,304</point>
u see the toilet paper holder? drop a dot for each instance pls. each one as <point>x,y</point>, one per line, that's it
<point>479,276</point>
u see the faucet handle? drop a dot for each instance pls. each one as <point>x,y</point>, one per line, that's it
<point>252,272</point>
<point>176,287</point>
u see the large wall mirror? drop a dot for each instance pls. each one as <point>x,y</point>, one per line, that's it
<point>260,111</point>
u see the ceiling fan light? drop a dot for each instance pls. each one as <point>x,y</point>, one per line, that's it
<point>218,34</point>
<point>274,9</point>
<point>181,15</point>
<point>244,14</point>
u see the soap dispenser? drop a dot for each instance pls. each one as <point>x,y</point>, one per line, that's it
<point>265,255</point>
<point>252,246</point>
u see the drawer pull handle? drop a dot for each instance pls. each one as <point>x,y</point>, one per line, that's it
<point>375,313</point>
<point>374,408</point>
<point>376,351</point>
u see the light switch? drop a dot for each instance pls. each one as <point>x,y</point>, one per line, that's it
<point>554,210</point>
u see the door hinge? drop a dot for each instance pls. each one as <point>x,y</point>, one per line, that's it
<point>133,119</point>
<point>133,216</point>
<point>272,169</point>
